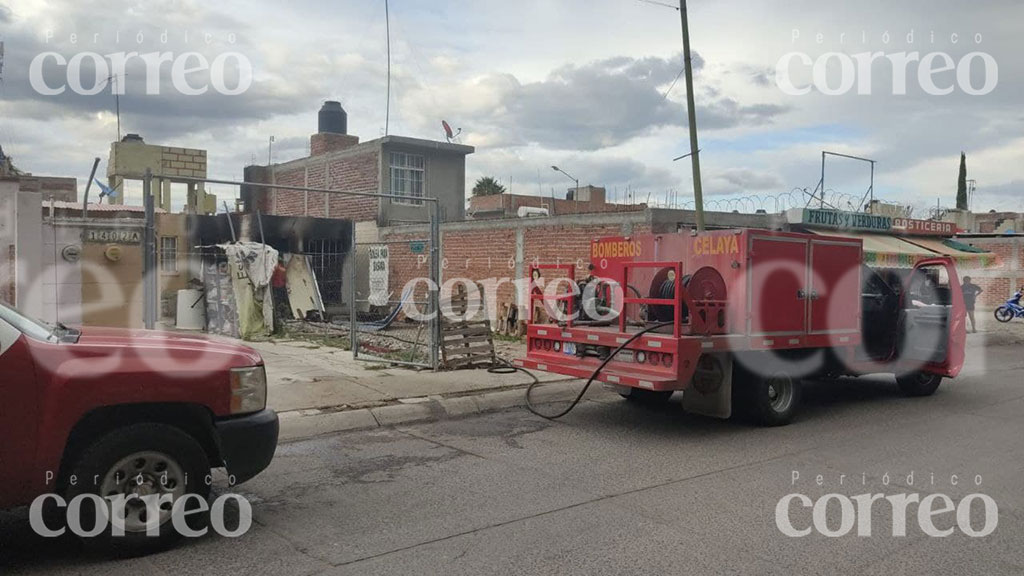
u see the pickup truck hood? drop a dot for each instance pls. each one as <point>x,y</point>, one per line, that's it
<point>178,344</point>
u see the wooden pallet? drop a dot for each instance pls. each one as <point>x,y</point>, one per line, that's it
<point>465,343</point>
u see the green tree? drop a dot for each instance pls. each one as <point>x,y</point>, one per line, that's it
<point>961,184</point>
<point>487,186</point>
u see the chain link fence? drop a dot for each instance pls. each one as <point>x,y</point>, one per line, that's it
<point>393,314</point>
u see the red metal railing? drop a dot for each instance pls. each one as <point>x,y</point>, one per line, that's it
<point>674,302</point>
<point>699,320</point>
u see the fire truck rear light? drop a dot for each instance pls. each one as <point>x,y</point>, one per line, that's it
<point>653,357</point>
<point>557,346</point>
<point>547,344</point>
<point>641,356</point>
<point>666,359</point>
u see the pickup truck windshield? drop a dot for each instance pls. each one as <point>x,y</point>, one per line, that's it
<point>30,327</point>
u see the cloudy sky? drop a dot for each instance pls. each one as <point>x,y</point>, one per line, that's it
<point>589,85</point>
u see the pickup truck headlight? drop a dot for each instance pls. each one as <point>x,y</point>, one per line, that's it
<point>248,389</point>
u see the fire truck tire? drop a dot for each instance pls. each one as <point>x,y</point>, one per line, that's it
<point>646,396</point>
<point>772,400</point>
<point>918,383</point>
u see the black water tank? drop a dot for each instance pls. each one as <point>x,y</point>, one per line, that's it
<point>332,118</point>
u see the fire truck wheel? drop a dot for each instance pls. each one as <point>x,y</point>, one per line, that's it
<point>919,383</point>
<point>646,396</point>
<point>774,400</point>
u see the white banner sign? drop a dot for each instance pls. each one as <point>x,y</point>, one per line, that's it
<point>379,269</point>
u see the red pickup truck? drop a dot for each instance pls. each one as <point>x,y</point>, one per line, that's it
<point>111,411</point>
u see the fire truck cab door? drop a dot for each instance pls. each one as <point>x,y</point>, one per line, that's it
<point>933,330</point>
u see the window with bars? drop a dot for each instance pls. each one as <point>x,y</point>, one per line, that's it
<point>168,254</point>
<point>407,177</point>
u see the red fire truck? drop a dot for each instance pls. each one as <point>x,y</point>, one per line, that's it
<point>737,318</point>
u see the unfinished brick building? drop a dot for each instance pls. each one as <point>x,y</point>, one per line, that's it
<point>408,167</point>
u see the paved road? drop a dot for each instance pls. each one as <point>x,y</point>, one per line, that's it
<point>616,488</point>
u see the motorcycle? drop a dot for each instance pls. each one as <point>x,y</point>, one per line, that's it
<point>1012,309</point>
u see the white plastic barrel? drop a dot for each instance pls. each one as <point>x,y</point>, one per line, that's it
<point>191,317</point>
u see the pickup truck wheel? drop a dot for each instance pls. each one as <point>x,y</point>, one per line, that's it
<point>138,461</point>
<point>646,396</point>
<point>918,383</point>
<point>773,400</point>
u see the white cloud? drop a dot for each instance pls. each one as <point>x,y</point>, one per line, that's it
<point>536,83</point>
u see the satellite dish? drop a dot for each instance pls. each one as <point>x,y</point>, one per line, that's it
<point>448,134</point>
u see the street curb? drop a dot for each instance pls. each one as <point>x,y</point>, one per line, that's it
<point>298,425</point>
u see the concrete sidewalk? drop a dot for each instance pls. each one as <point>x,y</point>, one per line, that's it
<point>320,389</point>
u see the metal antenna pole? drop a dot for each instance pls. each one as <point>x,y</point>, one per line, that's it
<point>88,185</point>
<point>387,106</point>
<point>691,112</point>
<point>823,179</point>
<point>231,224</point>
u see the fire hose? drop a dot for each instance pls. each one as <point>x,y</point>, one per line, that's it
<point>504,367</point>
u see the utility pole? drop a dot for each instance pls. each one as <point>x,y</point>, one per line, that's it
<point>698,195</point>
<point>149,263</point>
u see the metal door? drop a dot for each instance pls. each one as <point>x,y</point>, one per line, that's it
<point>777,290</point>
<point>834,287</point>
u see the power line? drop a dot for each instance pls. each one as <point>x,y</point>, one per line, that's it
<point>656,3</point>
<point>673,84</point>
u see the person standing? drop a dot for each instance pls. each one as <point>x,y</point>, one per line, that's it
<point>971,292</point>
<point>279,288</point>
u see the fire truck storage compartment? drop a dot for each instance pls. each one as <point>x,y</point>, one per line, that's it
<point>803,285</point>
<point>774,283</point>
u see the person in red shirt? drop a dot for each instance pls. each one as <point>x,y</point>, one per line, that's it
<point>279,288</point>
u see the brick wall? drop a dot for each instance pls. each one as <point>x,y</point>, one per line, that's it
<point>188,162</point>
<point>324,142</point>
<point>349,173</point>
<point>488,252</point>
<point>480,255</point>
<point>1000,281</point>
<point>358,173</point>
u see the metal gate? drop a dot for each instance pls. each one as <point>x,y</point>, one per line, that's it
<point>394,296</point>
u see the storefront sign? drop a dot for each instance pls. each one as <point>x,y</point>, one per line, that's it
<point>913,227</point>
<point>112,236</point>
<point>839,220</point>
